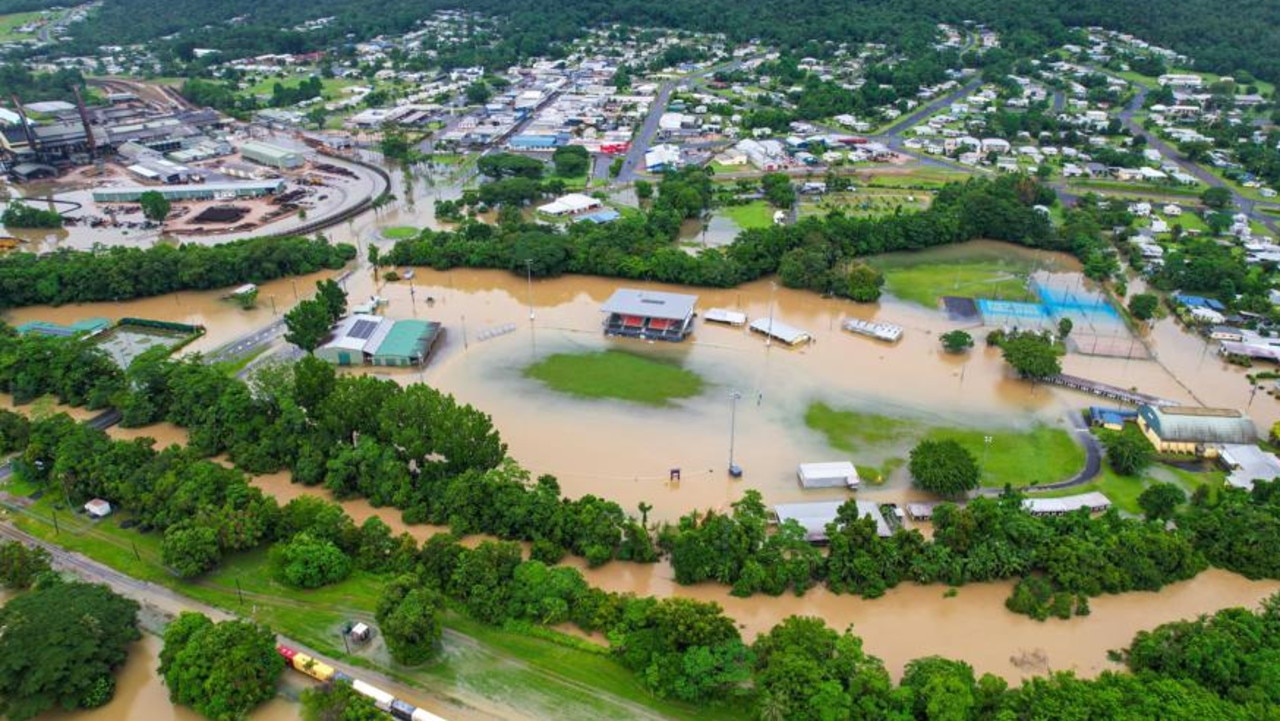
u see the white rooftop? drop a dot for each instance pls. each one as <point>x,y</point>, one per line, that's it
<point>814,516</point>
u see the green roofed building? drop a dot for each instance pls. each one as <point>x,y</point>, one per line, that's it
<point>408,343</point>
<point>369,339</point>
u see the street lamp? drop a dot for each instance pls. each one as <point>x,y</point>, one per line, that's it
<point>986,446</point>
<point>528,266</point>
<point>768,337</point>
<point>734,469</point>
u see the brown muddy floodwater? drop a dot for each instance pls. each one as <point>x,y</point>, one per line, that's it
<point>142,696</point>
<point>223,319</point>
<point>624,452</point>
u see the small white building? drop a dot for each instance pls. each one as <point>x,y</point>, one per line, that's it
<point>97,508</point>
<point>836,474</point>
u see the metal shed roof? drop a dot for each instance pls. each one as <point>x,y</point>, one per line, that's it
<point>650,304</point>
<point>783,332</point>
<point>1188,424</point>
<point>814,516</point>
<point>406,338</point>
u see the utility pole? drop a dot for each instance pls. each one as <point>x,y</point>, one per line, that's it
<point>734,469</point>
<point>768,337</point>
<point>528,266</point>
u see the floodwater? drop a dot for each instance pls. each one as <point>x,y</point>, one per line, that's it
<point>140,694</point>
<point>624,452</point>
<point>223,319</point>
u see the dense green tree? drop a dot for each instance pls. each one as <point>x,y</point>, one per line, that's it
<point>20,215</point>
<point>862,283</point>
<point>1128,450</point>
<point>1159,500</point>
<point>21,565</point>
<point>409,617</point>
<point>309,562</point>
<point>571,161</point>
<point>956,341</point>
<point>155,207</point>
<point>1216,197</point>
<point>333,297</point>
<point>190,549</point>
<point>778,190</point>
<point>223,670</point>
<point>61,646</point>
<point>1032,356</point>
<point>308,324</point>
<point>1143,306</point>
<point>509,165</point>
<point>943,467</point>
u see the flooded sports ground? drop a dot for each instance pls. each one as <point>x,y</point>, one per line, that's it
<point>755,400</point>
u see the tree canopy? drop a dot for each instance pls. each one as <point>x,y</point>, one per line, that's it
<point>223,670</point>
<point>61,646</point>
<point>943,467</point>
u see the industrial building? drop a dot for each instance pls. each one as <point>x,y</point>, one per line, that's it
<point>649,315</point>
<point>271,155</point>
<point>1192,430</point>
<point>205,191</point>
<point>369,339</point>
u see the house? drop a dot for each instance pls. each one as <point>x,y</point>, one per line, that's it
<point>1193,430</point>
<point>649,315</point>
<point>97,508</point>
<point>1113,419</point>
<point>1226,332</point>
<point>995,145</point>
<point>1172,210</point>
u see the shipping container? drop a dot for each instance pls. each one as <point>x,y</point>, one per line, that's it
<point>401,710</point>
<point>422,714</point>
<point>287,652</point>
<point>320,670</point>
<point>381,698</point>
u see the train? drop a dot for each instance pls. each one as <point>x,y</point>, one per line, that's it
<point>385,702</point>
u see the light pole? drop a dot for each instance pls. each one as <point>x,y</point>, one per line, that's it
<point>734,469</point>
<point>768,336</point>
<point>528,266</point>
<point>986,446</point>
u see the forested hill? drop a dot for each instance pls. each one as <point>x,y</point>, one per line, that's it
<point>1243,35</point>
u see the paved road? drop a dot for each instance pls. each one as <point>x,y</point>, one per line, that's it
<point>1246,205</point>
<point>246,344</point>
<point>633,162</point>
<point>924,111</point>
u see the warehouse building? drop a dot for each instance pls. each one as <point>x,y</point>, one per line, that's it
<point>205,191</point>
<point>272,155</point>
<point>1197,431</point>
<point>361,339</point>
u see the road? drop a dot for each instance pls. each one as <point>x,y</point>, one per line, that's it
<point>633,161</point>
<point>1246,205</point>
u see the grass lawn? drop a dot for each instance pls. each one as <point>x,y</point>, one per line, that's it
<point>926,283</point>
<point>1041,454</point>
<point>615,374</point>
<point>577,183</point>
<point>331,87</point>
<point>1136,190</point>
<point>927,177</point>
<point>9,22</point>
<point>869,202</point>
<point>399,232</point>
<point>756,214</point>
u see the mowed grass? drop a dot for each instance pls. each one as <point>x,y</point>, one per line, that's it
<point>1042,454</point>
<point>926,283</point>
<point>1039,454</point>
<point>1123,491</point>
<point>617,375</point>
<point>756,214</point>
<point>8,23</point>
<point>399,232</point>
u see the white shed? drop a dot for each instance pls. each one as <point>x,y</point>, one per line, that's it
<point>97,508</point>
<point>836,474</point>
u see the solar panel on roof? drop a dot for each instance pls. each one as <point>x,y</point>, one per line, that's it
<point>362,329</point>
